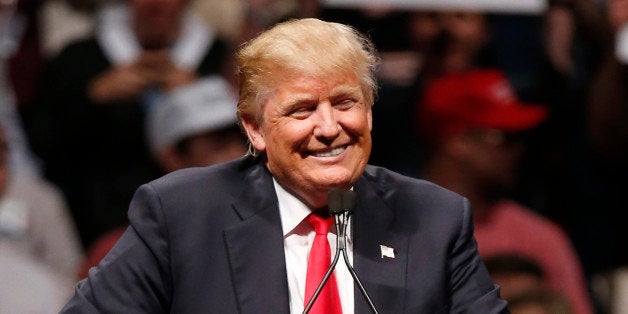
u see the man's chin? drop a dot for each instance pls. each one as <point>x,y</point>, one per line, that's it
<point>333,179</point>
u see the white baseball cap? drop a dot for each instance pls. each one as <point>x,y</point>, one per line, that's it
<point>204,106</point>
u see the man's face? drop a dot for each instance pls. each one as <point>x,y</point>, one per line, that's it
<point>157,21</point>
<point>213,147</point>
<point>461,31</point>
<point>494,157</point>
<point>315,135</point>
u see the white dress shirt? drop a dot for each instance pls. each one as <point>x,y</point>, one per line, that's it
<point>298,236</point>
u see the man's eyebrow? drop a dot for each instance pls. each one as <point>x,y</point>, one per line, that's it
<point>296,99</point>
<point>339,91</point>
<point>345,90</point>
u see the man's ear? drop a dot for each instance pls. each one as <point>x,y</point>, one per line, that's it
<point>255,134</point>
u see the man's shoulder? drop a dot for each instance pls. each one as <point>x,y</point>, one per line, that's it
<point>387,180</point>
<point>419,206</point>
<point>414,199</point>
<point>219,175</point>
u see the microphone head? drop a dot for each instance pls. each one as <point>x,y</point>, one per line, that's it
<point>348,200</point>
<point>334,201</point>
<point>340,201</point>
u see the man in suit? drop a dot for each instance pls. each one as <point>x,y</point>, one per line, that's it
<point>235,237</point>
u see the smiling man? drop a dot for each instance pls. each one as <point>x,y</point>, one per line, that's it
<point>251,236</point>
<point>315,135</point>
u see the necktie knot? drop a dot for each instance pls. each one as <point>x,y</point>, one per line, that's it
<point>320,224</point>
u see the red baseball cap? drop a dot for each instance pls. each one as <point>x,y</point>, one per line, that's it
<point>481,98</point>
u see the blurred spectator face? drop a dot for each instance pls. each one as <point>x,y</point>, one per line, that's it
<point>479,113</point>
<point>465,29</point>
<point>493,156</point>
<point>157,22</point>
<point>617,12</point>
<point>196,126</point>
<point>425,26</point>
<point>466,34</point>
<point>211,148</point>
<point>458,29</point>
<point>3,162</point>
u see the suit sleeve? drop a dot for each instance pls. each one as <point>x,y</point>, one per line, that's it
<point>135,275</point>
<point>471,288</point>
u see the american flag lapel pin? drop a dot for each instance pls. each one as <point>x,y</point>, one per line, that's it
<point>387,251</point>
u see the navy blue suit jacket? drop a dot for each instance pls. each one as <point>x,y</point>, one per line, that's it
<point>209,240</point>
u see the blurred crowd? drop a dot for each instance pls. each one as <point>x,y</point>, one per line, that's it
<point>524,114</point>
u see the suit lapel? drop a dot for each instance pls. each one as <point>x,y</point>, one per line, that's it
<point>383,276</point>
<point>255,247</point>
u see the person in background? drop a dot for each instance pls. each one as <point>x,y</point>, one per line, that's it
<point>195,126</point>
<point>607,132</point>
<point>474,125</point>
<point>449,41</point>
<point>89,124</point>
<point>557,175</point>
<point>39,249</point>
<point>306,91</point>
<point>35,221</point>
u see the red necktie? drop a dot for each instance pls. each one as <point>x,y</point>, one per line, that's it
<point>328,301</point>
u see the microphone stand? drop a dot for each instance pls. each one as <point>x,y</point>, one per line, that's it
<point>343,240</point>
<point>329,270</point>
<point>341,221</point>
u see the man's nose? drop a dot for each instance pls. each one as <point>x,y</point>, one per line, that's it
<point>326,124</point>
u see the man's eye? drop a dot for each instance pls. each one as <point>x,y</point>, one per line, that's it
<point>302,112</point>
<point>345,103</point>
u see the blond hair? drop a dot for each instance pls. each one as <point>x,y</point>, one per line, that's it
<point>308,47</point>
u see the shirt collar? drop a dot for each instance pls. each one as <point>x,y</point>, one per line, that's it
<point>291,209</point>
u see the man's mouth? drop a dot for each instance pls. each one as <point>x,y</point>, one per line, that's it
<point>330,153</point>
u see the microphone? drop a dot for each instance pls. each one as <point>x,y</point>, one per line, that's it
<point>341,205</point>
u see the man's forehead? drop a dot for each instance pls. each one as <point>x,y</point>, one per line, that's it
<point>304,94</point>
<point>331,82</point>
<point>346,89</point>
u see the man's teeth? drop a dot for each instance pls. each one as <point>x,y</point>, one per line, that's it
<point>331,153</point>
